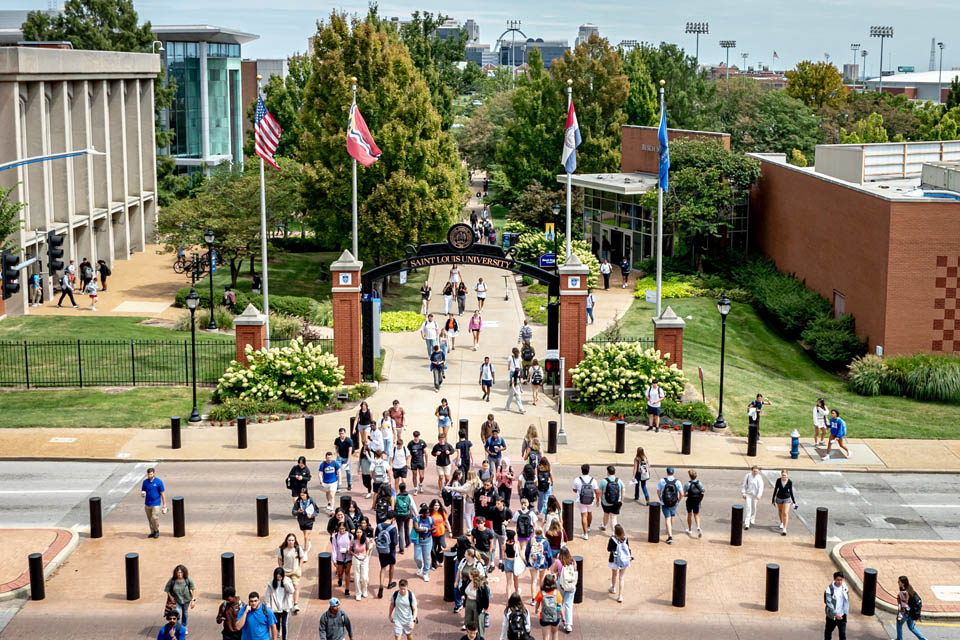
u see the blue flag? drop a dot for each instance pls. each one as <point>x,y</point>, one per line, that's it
<point>664,149</point>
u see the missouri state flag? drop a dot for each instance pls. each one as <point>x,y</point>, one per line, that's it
<point>571,140</point>
<point>360,144</point>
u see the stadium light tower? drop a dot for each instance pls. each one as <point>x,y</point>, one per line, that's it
<point>940,76</point>
<point>728,44</point>
<point>854,47</point>
<point>698,28</point>
<point>882,33</point>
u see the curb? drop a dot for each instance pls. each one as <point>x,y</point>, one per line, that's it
<point>48,569</point>
<point>854,579</point>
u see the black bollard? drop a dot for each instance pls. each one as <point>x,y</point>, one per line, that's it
<point>96,517</point>
<point>456,516</point>
<point>552,436</point>
<point>179,529</point>
<point>175,432</point>
<point>263,517</point>
<point>869,604</point>
<point>567,517</point>
<point>621,436</point>
<point>324,588</point>
<point>687,438</point>
<point>228,571</point>
<point>753,434</point>
<point>820,538</point>
<point>578,594</point>
<point>653,523</point>
<point>37,589</point>
<point>449,574</point>
<point>465,427</point>
<point>736,525</point>
<point>132,570</point>
<point>308,432</point>
<point>242,432</point>
<point>773,588</point>
<point>345,501</point>
<point>679,583</point>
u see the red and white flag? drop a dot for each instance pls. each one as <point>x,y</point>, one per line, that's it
<point>360,144</point>
<point>266,134</point>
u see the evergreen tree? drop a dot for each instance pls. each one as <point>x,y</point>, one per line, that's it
<point>642,105</point>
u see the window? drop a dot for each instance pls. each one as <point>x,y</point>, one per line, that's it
<point>839,304</point>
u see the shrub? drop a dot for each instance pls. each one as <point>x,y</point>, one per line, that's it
<point>623,370</point>
<point>221,316</point>
<point>631,409</point>
<point>833,341</point>
<point>290,305</point>
<point>696,412</point>
<point>301,374</point>
<point>782,298</point>
<point>671,287</point>
<point>400,321</point>
<point>231,408</point>
<point>296,244</point>
<point>536,308</point>
<point>866,375</point>
<point>533,244</point>
<point>284,327</point>
<point>321,313</point>
<point>936,378</point>
<point>515,226</point>
<point>359,391</point>
<point>180,300</point>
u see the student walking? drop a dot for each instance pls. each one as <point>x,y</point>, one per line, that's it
<point>181,589</point>
<point>588,493</point>
<point>154,501</point>
<point>836,597</point>
<point>605,270</point>
<point>481,290</point>
<point>513,565</point>
<point>360,548</point>
<point>538,557</point>
<point>655,395</point>
<point>291,558</point>
<point>334,623</point>
<point>536,380</point>
<point>516,391</point>
<point>641,473</point>
<point>544,484</point>
<point>464,457</point>
<point>341,542</point>
<point>173,630</point>
<point>838,432</point>
<point>329,478</point>
<point>364,420</point>
<point>505,481</point>
<point>591,303</point>
<point>36,289</point>
<point>279,598</point>
<point>437,364</point>
<point>516,619</point>
<point>751,490</point>
<point>386,539</point>
<point>476,601</point>
<point>105,272</point>
<point>619,560</point>
<point>418,461</point>
<point>821,423</point>
<point>442,413</point>
<point>524,518</point>
<point>428,331</point>
<point>448,290</point>
<point>422,542</point>
<point>783,497</point>
<point>441,524</point>
<point>305,510</point>
<point>91,290</point>
<point>298,477</point>
<point>365,463</point>
<point>452,327</point>
<point>257,620</point>
<point>425,295</point>
<point>344,447</point>
<point>548,604</point>
<point>227,615</point>
<point>399,464</point>
<point>624,272</point>
<point>693,489</point>
<point>565,568</point>
<point>443,452</point>
<point>66,290</point>
<point>611,498</point>
<point>909,606</point>
<point>476,323</point>
<point>488,377</point>
<point>670,492</point>
<point>461,298</point>
<point>403,611</point>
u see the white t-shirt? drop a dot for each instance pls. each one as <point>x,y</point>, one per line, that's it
<point>399,457</point>
<point>429,328</point>
<point>486,371</point>
<point>403,607</point>
<point>590,301</point>
<point>481,289</point>
<point>455,275</point>
<point>585,480</point>
<point>605,267</point>
<point>515,363</point>
<point>655,395</point>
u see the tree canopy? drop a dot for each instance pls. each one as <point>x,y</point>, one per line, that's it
<point>436,58</point>
<point>642,107</point>
<point>9,215</point>
<point>816,84</point>
<point>479,136</point>
<point>283,98</point>
<point>106,25</point>
<point>686,90</point>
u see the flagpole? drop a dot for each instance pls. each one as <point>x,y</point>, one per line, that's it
<point>660,224</point>
<point>569,102</point>
<point>356,251</point>
<point>263,244</point>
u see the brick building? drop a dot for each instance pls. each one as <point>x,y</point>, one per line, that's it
<point>861,230</point>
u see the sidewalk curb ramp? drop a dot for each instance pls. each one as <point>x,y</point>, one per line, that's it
<point>20,586</point>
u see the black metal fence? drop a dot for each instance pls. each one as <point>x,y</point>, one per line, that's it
<point>89,363</point>
<point>601,339</point>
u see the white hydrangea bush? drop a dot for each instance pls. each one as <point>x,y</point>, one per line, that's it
<point>302,374</point>
<point>623,370</point>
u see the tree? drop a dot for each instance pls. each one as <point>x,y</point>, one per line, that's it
<point>949,126</point>
<point>901,116</point>
<point>478,138</point>
<point>283,98</point>
<point>953,95</point>
<point>534,207</point>
<point>470,78</point>
<point>869,130</point>
<point>816,84</point>
<point>686,90</point>
<point>499,80</point>
<point>435,58</point>
<point>797,159</point>
<point>9,215</point>
<point>642,107</point>
<point>416,190</point>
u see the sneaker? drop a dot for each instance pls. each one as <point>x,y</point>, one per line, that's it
<point>611,589</point>
<point>585,536</point>
<point>346,593</point>
<point>463,627</point>
<point>426,578</point>
<point>358,596</point>
<point>620,598</point>
<point>380,593</point>
<point>339,582</point>
<point>669,539</point>
<point>780,525</point>
<point>689,533</point>
<point>309,546</point>
<point>649,428</point>
<point>76,306</point>
<point>656,430</point>
<point>419,572</point>
<point>391,585</point>
<point>784,532</point>
<point>368,495</point>
<point>746,526</point>
<point>699,532</point>
<point>603,527</point>
<point>416,490</point>
<point>296,609</point>
<point>59,306</point>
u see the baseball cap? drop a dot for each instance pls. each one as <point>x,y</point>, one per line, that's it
<point>334,602</point>
<point>669,471</point>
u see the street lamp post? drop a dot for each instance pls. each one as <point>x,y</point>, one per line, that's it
<point>728,44</point>
<point>208,237</point>
<point>723,306</point>
<point>940,76</point>
<point>882,33</point>
<point>193,299</point>
<point>556,221</point>
<point>698,28</point>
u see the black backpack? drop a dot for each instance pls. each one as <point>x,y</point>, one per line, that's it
<point>611,492</point>
<point>696,490</point>
<point>670,496</point>
<point>446,496</point>
<point>527,353</point>
<point>529,491</point>
<point>483,598</point>
<point>543,480</point>
<point>517,626</point>
<point>524,525</point>
<point>382,507</point>
<point>914,606</point>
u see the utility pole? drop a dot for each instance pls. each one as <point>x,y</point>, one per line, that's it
<point>744,56</point>
<point>940,76</point>
<point>728,44</point>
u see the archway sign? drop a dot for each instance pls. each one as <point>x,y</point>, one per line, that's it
<point>566,321</point>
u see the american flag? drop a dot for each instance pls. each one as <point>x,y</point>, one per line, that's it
<point>266,133</point>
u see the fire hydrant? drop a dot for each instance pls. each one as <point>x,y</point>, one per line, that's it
<point>795,445</point>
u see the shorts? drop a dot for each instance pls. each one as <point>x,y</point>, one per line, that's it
<point>484,556</point>
<point>783,501</point>
<point>295,576</point>
<point>329,487</point>
<point>551,624</point>
<point>585,508</point>
<point>444,470</point>
<point>486,383</point>
<point>417,466</point>
<point>343,563</point>
<point>400,629</point>
<point>443,421</point>
<point>653,411</point>
<point>508,565</point>
<point>453,334</point>
<point>295,490</point>
<point>387,559</point>
<point>668,512</point>
<point>365,427</point>
<point>693,506</point>
<point>400,473</point>
<point>612,508</point>
<point>306,525</point>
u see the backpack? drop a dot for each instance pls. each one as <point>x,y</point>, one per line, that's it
<point>64,281</point>
<point>537,376</point>
<point>446,496</point>
<point>567,580</point>
<point>621,557</point>
<point>483,598</point>
<point>549,613</point>
<point>914,606</point>
<point>669,495</point>
<point>524,525</point>
<point>517,625</point>
<point>402,504</point>
<point>611,492</point>
<point>289,482</point>
<point>382,507</point>
<point>383,540</point>
<point>543,480</point>
<point>586,490</point>
<point>529,491</point>
<point>87,273</point>
<point>527,352</point>
<point>696,490</point>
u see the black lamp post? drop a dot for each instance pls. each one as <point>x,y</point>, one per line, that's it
<point>208,237</point>
<point>556,221</point>
<point>193,300</point>
<point>723,306</point>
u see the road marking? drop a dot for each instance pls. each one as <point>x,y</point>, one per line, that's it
<point>850,490</point>
<point>947,593</point>
<point>931,506</point>
<point>62,440</point>
<point>21,491</point>
<point>937,624</point>
<point>123,455</point>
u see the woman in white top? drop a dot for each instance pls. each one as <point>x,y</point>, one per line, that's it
<point>481,290</point>
<point>388,431</point>
<point>821,423</point>
<point>455,275</point>
<point>291,558</point>
<point>399,462</point>
<point>279,597</point>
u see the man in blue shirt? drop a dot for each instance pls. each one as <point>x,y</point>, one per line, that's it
<point>256,621</point>
<point>329,477</point>
<point>173,630</point>
<point>494,447</point>
<point>155,502</point>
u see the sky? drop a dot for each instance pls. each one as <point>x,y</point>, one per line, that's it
<point>795,30</point>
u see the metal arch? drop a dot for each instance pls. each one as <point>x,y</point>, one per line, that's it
<point>500,41</point>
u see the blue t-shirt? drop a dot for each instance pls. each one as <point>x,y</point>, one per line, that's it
<point>164,633</point>
<point>257,626</point>
<point>495,447</point>
<point>153,488</point>
<point>328,471</point>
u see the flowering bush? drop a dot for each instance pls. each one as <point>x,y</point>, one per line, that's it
<point>399,321</point>
<point>623,370</point>
<point>672,287</point>
<point>302,374</point>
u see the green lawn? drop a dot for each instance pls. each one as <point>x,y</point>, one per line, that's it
<point>57,328</point>
<point>142,407</point>
<point>406,297</point>
<point>291,274</point>
<point>498,215</point>
<point>759,361</point>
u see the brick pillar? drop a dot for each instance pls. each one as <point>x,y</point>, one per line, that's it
<point>251,329</point>
<point>346,315</point>
<point>668,336</point>
<point>573,313</point>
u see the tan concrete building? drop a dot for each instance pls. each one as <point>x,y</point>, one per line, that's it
<point>55,101</point>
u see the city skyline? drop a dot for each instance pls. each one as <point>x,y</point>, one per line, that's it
<point>285,28</point>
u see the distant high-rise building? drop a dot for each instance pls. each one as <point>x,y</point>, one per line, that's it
<point>549,51</point>
<point>477,52</point>
<point>449,29</point>
<point>851,72</point>
<point>933,55</point>
<point>473,30</point>
<point>584,33</point>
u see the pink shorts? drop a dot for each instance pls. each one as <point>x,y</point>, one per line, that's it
<point>585,508</point>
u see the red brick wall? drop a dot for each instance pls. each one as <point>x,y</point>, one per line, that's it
<point>640,148</point>
<point>346,334</point>
<point>670,341</point>
<point>253,335</point>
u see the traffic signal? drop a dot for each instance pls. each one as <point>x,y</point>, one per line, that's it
<point>11,275</point>
<point>551,367</point>
<point>54,263</point>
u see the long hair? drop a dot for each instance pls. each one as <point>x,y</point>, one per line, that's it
<point>544,464</point>
<point>515,603</point>
<point>641,456</point>
<point>907,586</point>
<point>278,576</point>
<point>180,567</point>
<point>296,544</point>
